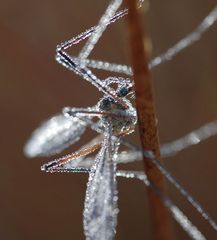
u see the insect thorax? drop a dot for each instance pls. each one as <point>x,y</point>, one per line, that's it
<point>122,119</point>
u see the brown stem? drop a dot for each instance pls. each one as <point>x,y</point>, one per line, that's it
<point>147,120</point>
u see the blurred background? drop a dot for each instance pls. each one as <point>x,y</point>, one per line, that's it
<point>35,205</point>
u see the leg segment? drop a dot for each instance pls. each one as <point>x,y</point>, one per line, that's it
<point>93,112</point>
<point>57,165</point>
<point>76,65</point>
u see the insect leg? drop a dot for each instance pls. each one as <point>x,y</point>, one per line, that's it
<point>57,165</point>
<point>74,65</point>
<point>87,112</point>
<point>103,23</point>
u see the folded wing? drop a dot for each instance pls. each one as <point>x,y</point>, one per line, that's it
<point>100,211</point>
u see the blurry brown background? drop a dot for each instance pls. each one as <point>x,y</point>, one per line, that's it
<point>39,206</point>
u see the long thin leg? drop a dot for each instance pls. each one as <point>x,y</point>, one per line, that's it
<point>172,179</point>
<point>75,40</point>
<point>172,148</point>
<point>75,163</point>
<point>82,112</point>
<point>90,31</point>
<point>56,164</point>
<point>168,55</point>
<point>197,206</point>
<point>183,191</point>
<point>103,23</point>
<point>75,64</point>
<point>176,213</point>
<point>72,64</point>
<point>197,136</point>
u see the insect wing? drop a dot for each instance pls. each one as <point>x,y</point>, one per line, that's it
<point>100,211</point>
<point>54,135</point>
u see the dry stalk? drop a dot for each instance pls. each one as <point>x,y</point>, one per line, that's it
<point>147,120</point>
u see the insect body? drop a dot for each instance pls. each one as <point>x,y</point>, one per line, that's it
<point>122,119</point>
<point>116,118</point>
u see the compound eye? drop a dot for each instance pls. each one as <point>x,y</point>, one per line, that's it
<point>123,91</point>
<point>105,104</point>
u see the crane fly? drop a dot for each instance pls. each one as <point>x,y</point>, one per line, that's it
<point>116,117</point>
<point>114,120</point>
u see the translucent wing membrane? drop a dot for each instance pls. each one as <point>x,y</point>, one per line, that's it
<point>54,135</point>
<point>178,215</point>
<point>100,209</point>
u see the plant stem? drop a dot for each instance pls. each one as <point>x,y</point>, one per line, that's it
<point>147,120</point>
